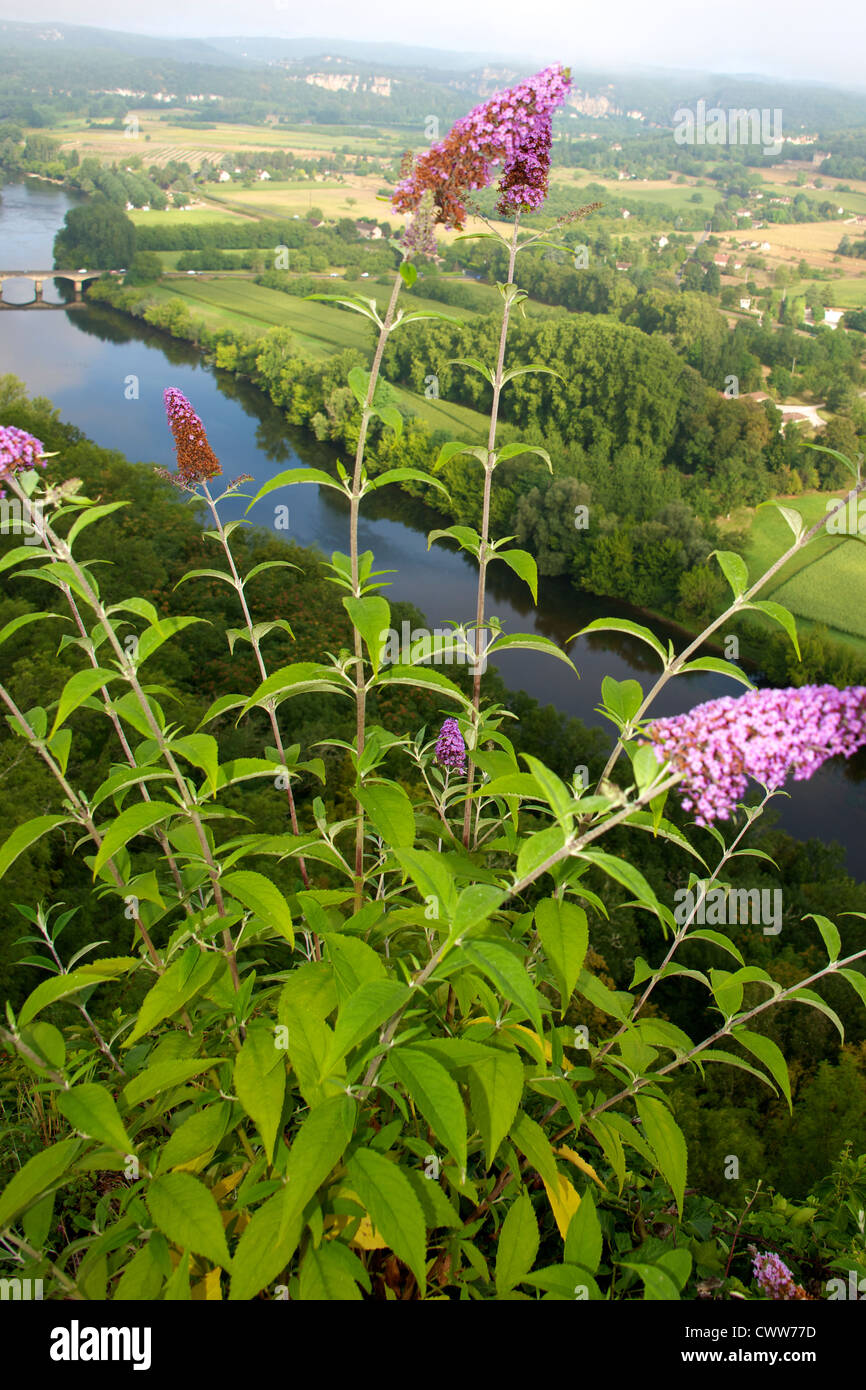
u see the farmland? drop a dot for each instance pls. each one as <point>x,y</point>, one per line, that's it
<point>824,584</point>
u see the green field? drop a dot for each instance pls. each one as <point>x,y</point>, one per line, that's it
<point>825,583</point>
<point>319,329</point>
<point>204,216</point>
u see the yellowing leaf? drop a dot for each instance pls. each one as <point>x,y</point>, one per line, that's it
<point>581,1163</point>
<point>368,1237</point>
<point>543,1047</point>
<point>563,1203</point>
<point>228,1184</point>
<point>208,1287</point>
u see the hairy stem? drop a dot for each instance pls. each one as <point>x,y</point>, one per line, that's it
<point>480,633</point>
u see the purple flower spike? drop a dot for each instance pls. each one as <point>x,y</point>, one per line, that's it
<point>775,1279</point>
<point>768,735</point>
<point>511,129</point>
<point>196,461</point>
<point>450,748</point>
<point>19,451</point>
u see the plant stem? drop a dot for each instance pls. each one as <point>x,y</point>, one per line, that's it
<point>480,633</point>
<point>355,502</point>
<point>260,661</point>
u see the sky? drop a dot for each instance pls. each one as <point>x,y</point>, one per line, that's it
<point>797,39</point>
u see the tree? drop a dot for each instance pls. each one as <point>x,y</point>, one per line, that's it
<point>97,235</point>
<point>145,267</point>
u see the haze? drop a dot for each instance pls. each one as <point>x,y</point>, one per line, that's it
<point>781,38</point>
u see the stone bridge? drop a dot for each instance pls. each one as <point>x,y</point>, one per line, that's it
<point>78,277</point>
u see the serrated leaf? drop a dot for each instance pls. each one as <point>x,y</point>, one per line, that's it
<point>517,1247</point>
<point>562,927</point>
<point>436,1096</point>
<point>393,1208</point>
<point>92,1110</point>
<point>25,836</point>
<point>262,897</point>
<point>666,1137</point>
<point>185,1211</point>
<point>260,1083</point>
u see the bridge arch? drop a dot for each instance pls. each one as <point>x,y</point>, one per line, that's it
<point>78,279</point>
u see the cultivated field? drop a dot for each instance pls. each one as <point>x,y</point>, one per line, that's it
<point>826,583</point>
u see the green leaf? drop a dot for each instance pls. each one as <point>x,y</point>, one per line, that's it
<point>627,875</point>
<point>38,1174</point>
<point>508,974</point>
<point>524,567</point>
<point>296,475</point>
<point>331,1274</point>
<point>721,668</point>
<point>495,1089</point>
<point>532,1141</point>
<point>517,1246</point>
<point>260,1083</point>
<point>27,835</point>
<point>408,273</point>
<point>392,1207</point>
<point>202,750</point>
<point>528,641</point>
<point>532,367</point>
<point>734,569</point>
<point>622,698</point>
<point>433,878</point>
<point>144,815</point>
<point>808,996</point>
<point>196,1138</point>
<point>164,1076</point>
<point>782,616</point>
<point>365,1010</point>
<point>624,625</point>
<point>188,976</point>
<point>659,1285</point>
<point>830,933</point>
<point>466,536</point>
<point>12,627</point>
<point>834,453</point>
<point>390,811</point>
<point>583,1244</point>
<point>422,678</point>
<point>436,1096</point>
<point>61,986</point>
<point>793,518</point>
<point>770,1054</point>
<point>265,1248</point>
<point>666,1137</point>
<point>153,637</point>
<point>186,1212</point>
<point>564,934</point>
<point>262,897</point>
<point>91,514</point>
<point>316,1149</point>
<point>405,475</point>
<point>92,1110</point>
<point>76,690</point>
<point>511,451</point>
<point>301,678</point>
<point>372,618</point>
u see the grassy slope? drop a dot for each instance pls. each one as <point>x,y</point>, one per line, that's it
<point>826,583</point>
<point>320,330</point>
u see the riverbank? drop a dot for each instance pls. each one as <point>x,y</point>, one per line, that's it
<point>760,649</point>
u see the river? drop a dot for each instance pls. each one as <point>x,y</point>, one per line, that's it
<point>84,358</point>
